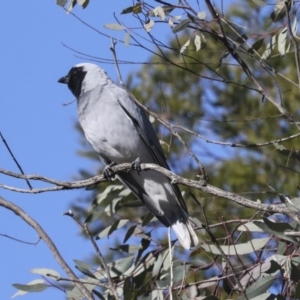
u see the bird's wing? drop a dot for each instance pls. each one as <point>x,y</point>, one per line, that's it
<point>143,126</point>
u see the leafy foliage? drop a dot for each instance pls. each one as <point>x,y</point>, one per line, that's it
<point>227,85</point>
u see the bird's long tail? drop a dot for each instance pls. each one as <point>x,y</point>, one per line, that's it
<point>185,234</point>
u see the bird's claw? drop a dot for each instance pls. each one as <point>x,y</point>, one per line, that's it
<point>108,173</point>
<point>136,165</point>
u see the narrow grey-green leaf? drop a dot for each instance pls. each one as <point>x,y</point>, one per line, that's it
<point>46,272</point>
<point>201,15</point>
<point>129,233</point>
<point>269,48</point>
<point>83,3</point>
<point>259,287</point>
<point>186,44</point>
<point>282,41</point>
<point>148,218</point>
<point>181,25</point>
<point>61,3</point>
<point>86,272</point>
<point>82,264</point>
<point>240,249</point>
<point>279,10</point>
<point>260,2</point>
<point>250,226</point>
<point>99,295</point>
<point>127,39</point>
<point>120,266</point>
<point>127,289</point>
<point>159,262</point>
<point>197,42</point>
<point>276,229</point>
<point>297,291</point>
<point>256,46</point>
<point>127,248</point>
<point>148,26</point>
<point>118,224</point>
<point>295,26</point>
<point>114,26</point>
<point>37,285</point>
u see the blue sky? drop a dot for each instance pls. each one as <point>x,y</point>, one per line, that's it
<point>40,131</point>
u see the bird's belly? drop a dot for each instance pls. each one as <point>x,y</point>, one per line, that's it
<point>115,139</point>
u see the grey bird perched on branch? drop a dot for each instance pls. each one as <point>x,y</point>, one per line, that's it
<point>120,132</point>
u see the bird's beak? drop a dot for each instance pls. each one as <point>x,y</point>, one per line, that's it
<point>64,79</point>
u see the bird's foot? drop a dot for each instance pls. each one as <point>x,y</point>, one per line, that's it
<point>108,173</point>
<point>136,165</point>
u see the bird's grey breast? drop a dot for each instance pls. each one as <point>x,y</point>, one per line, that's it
<point>107,127</point>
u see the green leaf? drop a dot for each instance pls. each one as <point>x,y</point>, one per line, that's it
<point>71,5</point>
<point>127,248</point>
<point>297,291</point>
<point>295,26</point>
<point>201,15</point>
<point>197,42</point>
<point>145,263</point>
<point>84,268</point>
<point>279,10</point>
<point>129,233</point>
<point>61,3</point>
<point>83,3</point>
<point>250,226</point>
<point>158,12</point>
<point>134,203</point>
<point>259,287</point>
<point>270,46</point>
<point>110,229</point>
<point>256,46</point>
<point>114,26</point>
<point>148,26</point>
<point>241,39</point>
<point>239,249</point>
<point>46,272</point>
<point>118,224</point>
<point>260,2</point>
<point>276,229</point>
<point>159,262</point>
<point>168,9</point>
<point>99,295</point>
<point>120,266</point>
<point>181,25</point>
<point>36,285</point>
<point>127,39</point>
<point>182,49</point>
<point>137,8</point>
<point>127,289</point>
<point>282,41</point>
<point>148,218</point>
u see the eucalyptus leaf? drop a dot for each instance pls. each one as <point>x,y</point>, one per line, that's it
<point>37,285</point>
<point>239,249</point>
<point>181,25</point>
<point>46,272</point>
<point>114,26</point>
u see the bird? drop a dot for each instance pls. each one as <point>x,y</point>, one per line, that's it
<point>120,131</point>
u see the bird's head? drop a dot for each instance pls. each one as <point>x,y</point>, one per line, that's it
<point>84,77</point>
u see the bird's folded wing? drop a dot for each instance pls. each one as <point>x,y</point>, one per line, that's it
<point>143,126</point>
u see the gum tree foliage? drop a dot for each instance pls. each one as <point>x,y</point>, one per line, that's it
<point>223,95</point>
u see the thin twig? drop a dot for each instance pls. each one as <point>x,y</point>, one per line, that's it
<point>15,160</point>
<point>20,241</point>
